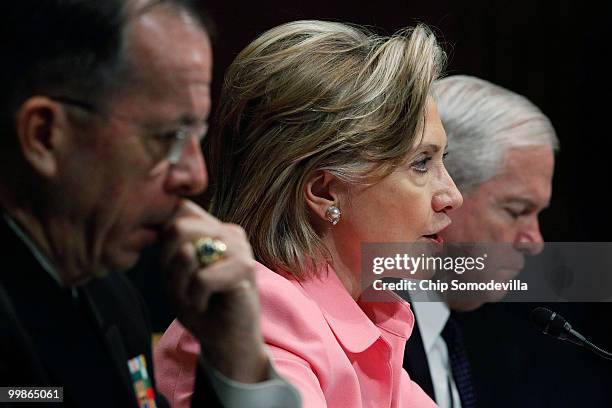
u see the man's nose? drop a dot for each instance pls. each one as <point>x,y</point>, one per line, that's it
<point>188,177</point>
<point>529,239</point>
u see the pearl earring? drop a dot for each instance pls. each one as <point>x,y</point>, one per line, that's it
<point>333,214</point>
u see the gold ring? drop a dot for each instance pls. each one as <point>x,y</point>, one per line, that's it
<point>209,250</point>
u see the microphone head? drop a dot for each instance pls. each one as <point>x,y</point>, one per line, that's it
<point>549,322</point>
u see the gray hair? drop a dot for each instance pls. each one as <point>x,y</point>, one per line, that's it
<point>483,121</point>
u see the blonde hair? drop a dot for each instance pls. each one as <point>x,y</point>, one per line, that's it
<point>308,96</point>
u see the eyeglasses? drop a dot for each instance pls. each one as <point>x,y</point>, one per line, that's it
<point>167,145</point>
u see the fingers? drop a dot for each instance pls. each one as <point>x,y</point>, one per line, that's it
<point>191,285</point>
<point>232,276</point>
<point>218,303</point>
<point>177,275</point>
<point>188,208</point>
<point>189,230</point>
<point>191,222</point>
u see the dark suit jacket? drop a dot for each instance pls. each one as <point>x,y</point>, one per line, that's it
<point>515,366</point>
<point>50,338</point>
<point>415,361</point>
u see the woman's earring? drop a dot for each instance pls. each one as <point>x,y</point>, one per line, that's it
<point>333,214</point>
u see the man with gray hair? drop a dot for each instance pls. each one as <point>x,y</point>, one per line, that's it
<point>103,108</point>
<point>501,156</point>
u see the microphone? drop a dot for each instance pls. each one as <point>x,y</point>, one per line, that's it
<point>553,324</point>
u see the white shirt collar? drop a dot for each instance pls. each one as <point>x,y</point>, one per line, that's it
<point>432,317</point>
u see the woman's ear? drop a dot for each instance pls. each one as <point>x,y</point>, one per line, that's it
<point>322,192</point>
<point>41,127</point>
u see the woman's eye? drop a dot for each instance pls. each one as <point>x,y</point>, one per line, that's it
<point>421,165</point>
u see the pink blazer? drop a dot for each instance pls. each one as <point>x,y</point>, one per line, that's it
<point>337,352</point>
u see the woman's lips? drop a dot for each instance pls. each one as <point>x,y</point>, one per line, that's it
<point>436,238</point>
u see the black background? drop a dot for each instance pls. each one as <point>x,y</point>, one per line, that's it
<point>555,53</point>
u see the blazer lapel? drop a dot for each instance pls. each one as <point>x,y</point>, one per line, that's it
<point>415,361</point>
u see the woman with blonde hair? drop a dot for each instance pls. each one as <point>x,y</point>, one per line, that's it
<point>328,138</point>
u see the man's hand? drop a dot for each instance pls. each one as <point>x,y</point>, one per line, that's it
<point>219,303</point>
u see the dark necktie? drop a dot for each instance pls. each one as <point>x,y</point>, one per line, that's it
<point>460,365</point>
